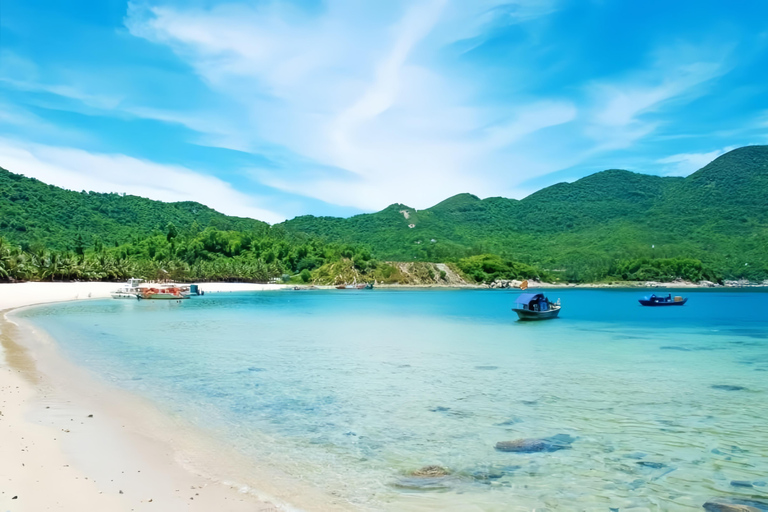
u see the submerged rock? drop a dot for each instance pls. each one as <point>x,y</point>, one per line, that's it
<point>649,464</point>
<point>423,484</point>
<point>522,445</point>
<point>547,444</point>
<point>488,474</point>
<point>431,472</point>
<point>513,420</point>
<point>428,478</point>
<point>727,387</point>
<point>735,505</point>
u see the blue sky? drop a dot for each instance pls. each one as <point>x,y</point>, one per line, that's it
<point>272,109</point>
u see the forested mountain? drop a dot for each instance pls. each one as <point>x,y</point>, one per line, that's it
<point>34,214</point>
<point>580,230</point>
<point>612,225</point>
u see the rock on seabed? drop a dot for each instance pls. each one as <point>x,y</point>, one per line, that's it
<point>735,505</point>
<point>431,472</point>
<point>547,444</point>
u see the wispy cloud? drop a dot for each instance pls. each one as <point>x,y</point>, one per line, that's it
<point>358,94</point>
<point>343,105</point>
<point>684,164</point>
<point>620,115</point>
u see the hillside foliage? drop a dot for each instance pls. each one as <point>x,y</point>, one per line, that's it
<point>35,215</point>
<point>580,231</point>
<point>614,225</point>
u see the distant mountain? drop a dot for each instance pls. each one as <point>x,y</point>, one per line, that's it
<point>718,214</point>
<point>33,213</point>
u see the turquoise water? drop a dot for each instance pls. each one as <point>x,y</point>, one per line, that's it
<point>353,390</point>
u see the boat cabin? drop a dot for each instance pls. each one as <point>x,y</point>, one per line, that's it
<point>533,302</point>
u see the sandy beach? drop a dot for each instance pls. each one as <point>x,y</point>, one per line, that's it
<point>70,445</point>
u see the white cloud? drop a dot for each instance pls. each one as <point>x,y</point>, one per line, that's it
<point>354,94</point>
<point>75,169</point>
<point>678,73</point>
<point>684,164</point>
<point>22,74</point>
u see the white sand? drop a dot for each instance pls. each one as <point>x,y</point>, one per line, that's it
<point>26,294</point>
<point>128,456</point>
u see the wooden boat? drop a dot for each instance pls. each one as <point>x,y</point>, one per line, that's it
<point>535,306</point>
<point>654,300</point>
<point>362,286</point>
<point>164,292</point>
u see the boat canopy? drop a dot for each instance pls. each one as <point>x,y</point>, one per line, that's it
<point>528,297</point>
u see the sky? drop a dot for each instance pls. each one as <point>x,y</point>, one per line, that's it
<point>274,109</point>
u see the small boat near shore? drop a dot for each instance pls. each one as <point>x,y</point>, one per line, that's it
<point>535,306</point>
<point>655,300</point>
<point>164,292</point>
<point>129,290</point>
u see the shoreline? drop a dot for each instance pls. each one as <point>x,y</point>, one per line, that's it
<point>625,285</point>
<point>72,442</point>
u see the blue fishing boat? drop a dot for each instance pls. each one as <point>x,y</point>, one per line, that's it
<point>655,300</point>
<point>535,306</point>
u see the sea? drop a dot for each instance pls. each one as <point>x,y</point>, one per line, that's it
<point>353,391</point>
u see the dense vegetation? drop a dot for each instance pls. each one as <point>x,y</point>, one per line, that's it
<point>39,216</point>
<point>211,255</point>
<point>486,268</point>
<point>581,231</point>
<point>611,226</point>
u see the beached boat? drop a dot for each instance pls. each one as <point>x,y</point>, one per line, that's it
<point>535,306</point>
<point>654,300</point>
<point>129,290</point>
<point>164,292</point>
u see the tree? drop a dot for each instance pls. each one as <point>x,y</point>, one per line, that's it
<point>79,244</point>
<point>305,275</point>
<point>171,231</point>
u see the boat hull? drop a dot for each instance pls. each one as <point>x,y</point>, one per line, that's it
<point>652,303</point>
<point>527,314</point>
<point>164,296</point>
<point>124,295</point>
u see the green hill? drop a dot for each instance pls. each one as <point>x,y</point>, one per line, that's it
<point>611,225</point>
<point>35,214</point>
<point>718,215</point>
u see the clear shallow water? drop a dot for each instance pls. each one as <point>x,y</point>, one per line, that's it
<point>352,390</point>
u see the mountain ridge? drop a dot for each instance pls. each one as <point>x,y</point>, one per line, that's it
<point>35,213</point>
<point>717,214</point>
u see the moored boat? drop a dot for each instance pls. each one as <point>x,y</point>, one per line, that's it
<point>164,292</point>
<point>129,290</point>
<point>655,300</point>
<point>535,306</point>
